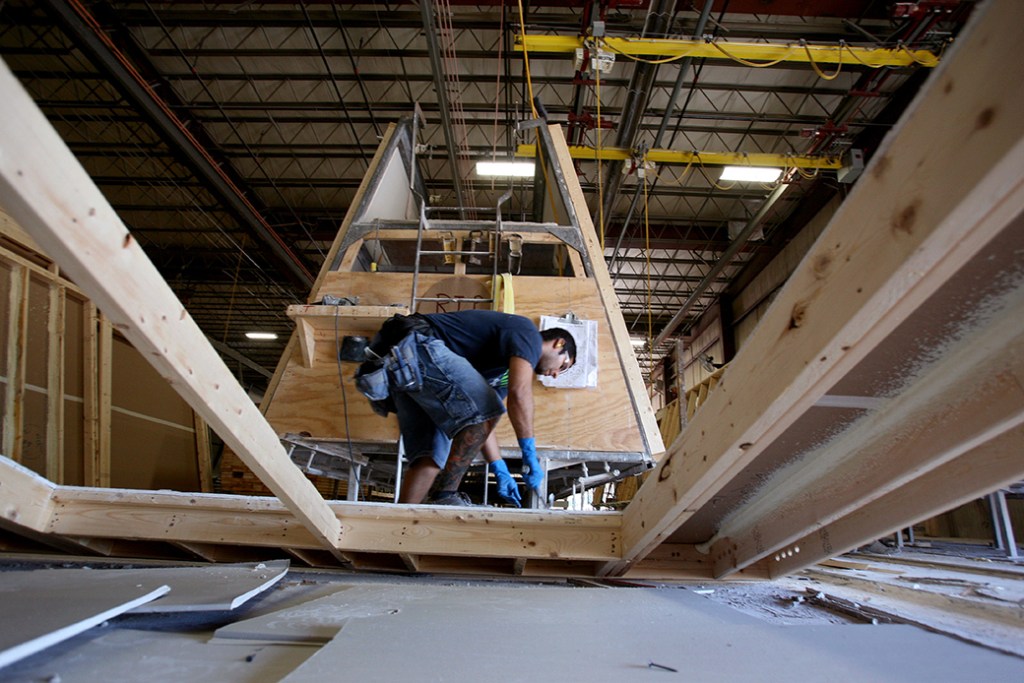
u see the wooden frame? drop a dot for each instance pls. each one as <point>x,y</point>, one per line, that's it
<point>881,258</point>
<point>908,235</point>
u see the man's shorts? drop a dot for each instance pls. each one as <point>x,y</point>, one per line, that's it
<point>453,396</point>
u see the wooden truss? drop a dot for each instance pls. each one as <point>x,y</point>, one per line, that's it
<point>882,387</point>
<point>608,429</point>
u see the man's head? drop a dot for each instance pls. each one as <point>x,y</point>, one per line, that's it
<point>557,353</point>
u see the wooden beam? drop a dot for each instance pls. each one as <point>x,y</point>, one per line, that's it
<point>970,397</point>
<point>977,472</point>
<point>646,419</point>
<point>50,274</point>
<point>683,562</point>
<point>318,323</point>
<point>104,380</point>
<point>204,463</point>
<point>26,499</point>
<point>366,527</point>
<point>224,553</point>
<point>17,338</point>
<point>52,197</point>
<point>90,395</point>
<point>353,208</point>
<point>55,322</point>
<point>908,225</point>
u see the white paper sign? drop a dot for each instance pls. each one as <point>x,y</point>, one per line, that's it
<point>583,373</point>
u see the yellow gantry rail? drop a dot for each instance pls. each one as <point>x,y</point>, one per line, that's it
<point>746,53</point>
<point>668,156</point>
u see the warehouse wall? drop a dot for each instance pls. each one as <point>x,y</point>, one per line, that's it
<point>122,424</point>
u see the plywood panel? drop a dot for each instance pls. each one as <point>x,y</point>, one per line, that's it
<point>151,455</point>
<point>599,419</point>
<point>137,387</point>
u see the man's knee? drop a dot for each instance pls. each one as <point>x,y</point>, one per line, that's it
<point>477,432</point>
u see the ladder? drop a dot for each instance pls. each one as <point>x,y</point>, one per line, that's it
<point>494,239</point>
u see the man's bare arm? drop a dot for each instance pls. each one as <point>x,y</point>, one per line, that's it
<point>491,450</point>
<point>520,396</point>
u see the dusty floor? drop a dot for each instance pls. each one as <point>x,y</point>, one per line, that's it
<point>952,616</point>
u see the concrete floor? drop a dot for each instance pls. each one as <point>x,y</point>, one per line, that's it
<point>316,626</point>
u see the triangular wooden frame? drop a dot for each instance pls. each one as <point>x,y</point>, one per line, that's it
<point>909,227</point>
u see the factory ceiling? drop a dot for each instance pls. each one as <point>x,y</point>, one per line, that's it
<point>231,137</point>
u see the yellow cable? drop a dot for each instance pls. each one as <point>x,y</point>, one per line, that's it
<point>817,69</point>
<point>747,62</point>
<point>647,249</point>
<point>930,61</point>
<point>805,174</point>
<point>667,60</point>
<point>533,110</point>
<point>853,53</point>
<point>600,186</point>
<point>724,188</point>
<point>922,62</point>
<point>526,59</point>
<point>677,180</point>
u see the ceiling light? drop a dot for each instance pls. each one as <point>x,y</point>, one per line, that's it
<point>517,169</point>
<point>261,335</point>
<point>753,174</point>
<point>637,342</point>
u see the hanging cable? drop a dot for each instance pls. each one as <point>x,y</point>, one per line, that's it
<point>526,60</point>
<point>747,62</point>
<point>677,180</point>
<point>533,110</point>
<point>497,89</point>
<point>231,298</point>
<point>723,188</point>
<point>817,69</point>
<point>600,185</point>
<point>344,396</point>
<point>635,58</point>
<point>647,251</point>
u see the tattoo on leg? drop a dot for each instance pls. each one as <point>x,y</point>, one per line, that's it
<point>465,446</point>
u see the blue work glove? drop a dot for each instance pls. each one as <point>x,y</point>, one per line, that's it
<point>507,487</point>
<point>533,475</point>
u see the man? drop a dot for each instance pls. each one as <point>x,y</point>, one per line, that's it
<point>446,417</point>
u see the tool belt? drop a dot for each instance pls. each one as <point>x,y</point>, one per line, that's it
<point>395,329</point>
<point>394,364</point>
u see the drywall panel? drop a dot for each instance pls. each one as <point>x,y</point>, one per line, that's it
<point>319,620</point>
<point>203,589</point>
<point>41,608</point>
<point>548,633</point>
<point>133,655</point>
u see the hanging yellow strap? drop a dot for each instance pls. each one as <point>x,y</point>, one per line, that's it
<point>504,299</point>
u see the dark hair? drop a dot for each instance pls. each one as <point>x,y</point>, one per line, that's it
<point>564,335</point>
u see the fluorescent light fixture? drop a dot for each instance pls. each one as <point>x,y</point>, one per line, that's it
<point>506,169</point>
<point>752,174</point>
<point>637,342</point>
<point>261,335</point>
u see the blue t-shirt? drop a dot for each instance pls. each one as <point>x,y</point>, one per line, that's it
<point>488,339</point>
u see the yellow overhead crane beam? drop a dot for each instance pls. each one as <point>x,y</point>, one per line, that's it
<point>668,156</point>
<point>765,53</point>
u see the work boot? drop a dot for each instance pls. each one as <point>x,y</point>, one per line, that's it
<point>455,498</point>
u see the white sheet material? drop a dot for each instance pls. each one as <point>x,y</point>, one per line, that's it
<point>217,587</point>
<point>583,373</point>
<point>44,607</point>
